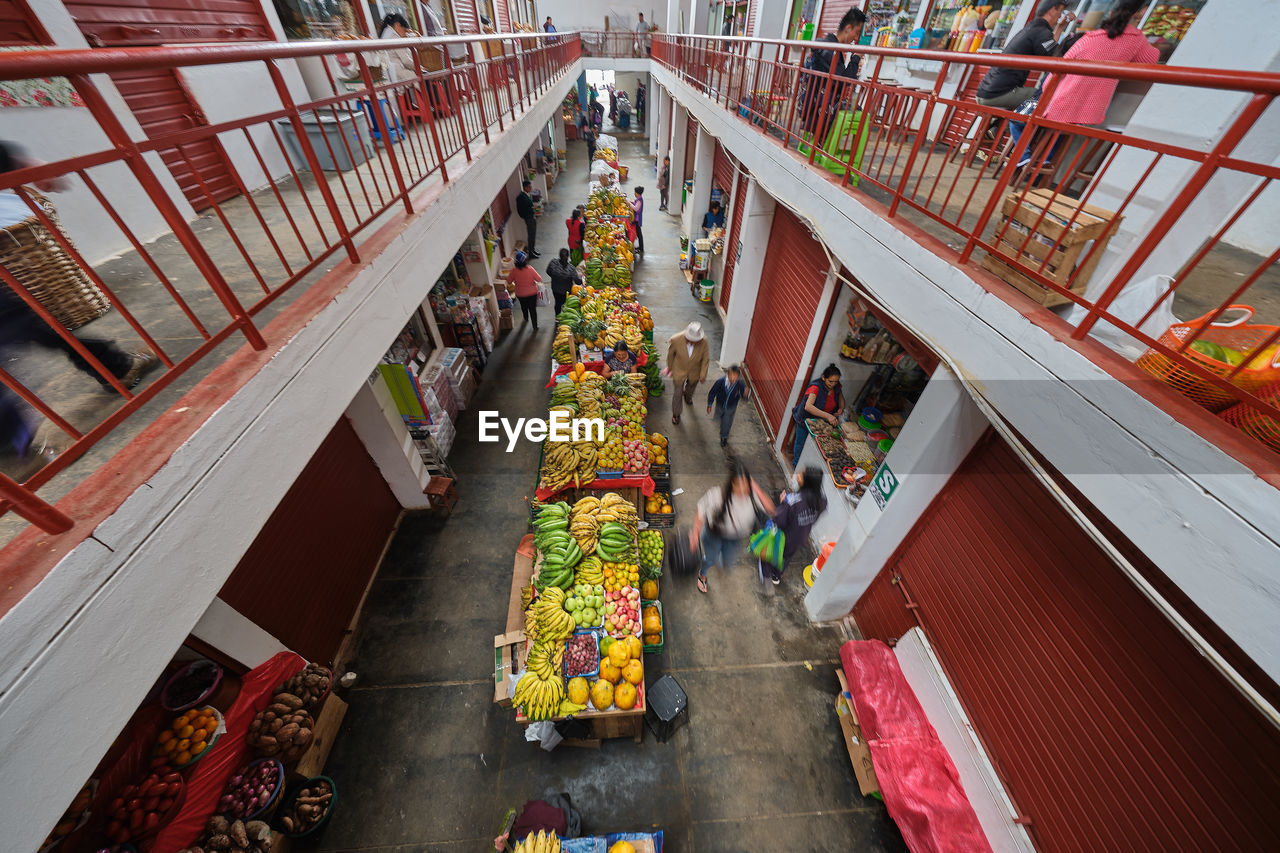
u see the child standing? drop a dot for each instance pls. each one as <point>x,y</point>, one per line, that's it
<point>724,396</point>
<point>797,511</point>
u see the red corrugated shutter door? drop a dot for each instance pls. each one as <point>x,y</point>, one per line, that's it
<point>733,239</point>
<point>751,18</point>
<point>722,171</point>
<point>504,15</point>
<point>304,575</point>
<point>791,285</point>
<point>1108,729</point>
<point>133,22</point>
<point>19,25</point>
<point>501,208</point>
<point>690,148</point>
<point>465,18</point>
<point>832,12</point>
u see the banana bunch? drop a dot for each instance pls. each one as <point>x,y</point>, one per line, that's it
<point>562,347</point>
<point>587,458</point>
<point>589,400</point>
<point>563,463</point>
<point>543,842</point>
<point>560,551</point>
<point>568,709</point>
<point>589,571</point>
<point>541,689</point>
<point>583,525</point>
<point>554,622</point>
<point>637,383</point>
<point>616,543</point>
<point>615,508</point>
<point>565,393</point>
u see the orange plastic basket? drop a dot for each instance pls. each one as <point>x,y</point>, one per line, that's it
<point>1252,422</point>
<point>1237,334</point>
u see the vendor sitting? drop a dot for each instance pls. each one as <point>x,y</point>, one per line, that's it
<point>621,360</point>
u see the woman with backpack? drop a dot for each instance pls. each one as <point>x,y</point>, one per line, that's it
<point>726,516</point>
<point>823,398</point>
<point>797,512</point>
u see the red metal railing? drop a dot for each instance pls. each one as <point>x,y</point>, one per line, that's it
<point>948,167</point>
<point>269,240</point>
<point>615,44</point>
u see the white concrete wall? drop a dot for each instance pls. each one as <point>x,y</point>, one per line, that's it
<point>232,633</point>
<point>757,222</point>
<point>1204,518</point>
<point>577,15</point>
<point>942,429</point>
<point>704,159</point>
<point>377,422</point>
<point>82,649</point>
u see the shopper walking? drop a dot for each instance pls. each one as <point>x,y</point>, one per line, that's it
<point>664,183</point>
<point>641,102</point>
<point>577,226</point>
<point>687,360</point>
<point>637,210</point>
<point>524,209</point>
<point>725,518</point>
<point>797,511</point>
<point>590,138</point>
<point>524,281</point>
<point>822,95</point>
<point>725,394</point>
<point>823,398</point>
<point>563,275</point>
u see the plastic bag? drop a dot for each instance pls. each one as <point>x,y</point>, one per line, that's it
<point>768,544</point>
<point>544,733</point>
<point>1134,300</point>
<point>545,299</point>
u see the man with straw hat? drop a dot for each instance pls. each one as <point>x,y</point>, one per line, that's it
<point>687,360</point>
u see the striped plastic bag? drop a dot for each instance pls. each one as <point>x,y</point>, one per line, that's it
<point>768,543</point>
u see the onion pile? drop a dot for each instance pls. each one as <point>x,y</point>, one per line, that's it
<point>251,790</point>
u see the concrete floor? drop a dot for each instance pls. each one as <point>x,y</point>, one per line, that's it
<point>426,761</point>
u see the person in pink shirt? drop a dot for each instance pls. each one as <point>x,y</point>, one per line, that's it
<point>524,281</point>
<point>1084,100</point>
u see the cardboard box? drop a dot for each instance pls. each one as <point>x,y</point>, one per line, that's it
<point>854,742</point>
<point>509,656</point>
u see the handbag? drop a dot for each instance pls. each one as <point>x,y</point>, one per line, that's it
<point>768,544</point>
<point>683,559</point>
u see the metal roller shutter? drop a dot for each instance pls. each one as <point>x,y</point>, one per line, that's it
<point>751,18</point>
<point>304,575</point>
<point>503,11</point>
<point>791,285</point>
<point>832,12</point>
<point>733,239</point>
<point>690,148</point>
<point>722,171</point>
<point>500,210</point>
<point>134,22</point>
<point>465,18</point>
<point>19,25</point>
<point>1108,729</point>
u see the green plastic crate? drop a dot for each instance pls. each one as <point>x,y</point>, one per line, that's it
<point>655,649</point>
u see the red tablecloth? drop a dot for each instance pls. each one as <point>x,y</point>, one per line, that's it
<point>644,484</point>
<point>558,370</point>
<point>918,780</point>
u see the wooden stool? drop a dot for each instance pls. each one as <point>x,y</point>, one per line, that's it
<point>441,494</point>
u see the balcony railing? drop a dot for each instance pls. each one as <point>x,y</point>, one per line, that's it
<point>950,168</point>
<point>615,44</point>
<point>226,274</point>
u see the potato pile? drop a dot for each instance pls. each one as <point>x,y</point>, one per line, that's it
<point>308,808</point>
<point>309,685</point>
<point>223,836</point>
<point>282,729</point>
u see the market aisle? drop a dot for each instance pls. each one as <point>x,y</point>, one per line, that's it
<point>428,762</point>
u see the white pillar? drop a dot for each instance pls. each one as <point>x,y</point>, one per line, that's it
<point>704,160</point>
<point>673,17</point>
<point>381,429</point>
<point>1215,40</point>
<point>651,111</point>
<point>697,16</point>
<point>942,429</point>
<point>757,222</point>
<point>661,144</point>
<point>680,130</point>
<point>232,633</point>
<point>772,20</point>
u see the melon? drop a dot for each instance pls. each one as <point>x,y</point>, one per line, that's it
<point>618,654</point>
<point>649,590</point>
<point>610,673</point>
<point>579,690</point>
<point>624,696</point>
<point>622,847</point>
<point>602,695</point>
<point>633,672</point>
<point>634,648</point>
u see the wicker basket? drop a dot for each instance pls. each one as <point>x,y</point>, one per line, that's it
<point>1250,421</point>
<point>32,255</point>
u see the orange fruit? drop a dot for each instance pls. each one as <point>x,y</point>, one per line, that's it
<point>186,731</point>
<point>183,744</point>
<point>166,736</point>
<point>198,747</point>
<point>210,728</point>
<point>182,757</point>
<point>171,747</point>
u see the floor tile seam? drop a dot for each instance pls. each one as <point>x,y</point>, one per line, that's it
<point>787,816</point>
<point>409,845</point>
<point>741,666</point>
<point>417,684</point>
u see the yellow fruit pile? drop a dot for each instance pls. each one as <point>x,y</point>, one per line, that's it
<point>658,504</point>
<point>657,448</point>
<point>621,673</point>
<point>188,735</point>
<point>619,575</point>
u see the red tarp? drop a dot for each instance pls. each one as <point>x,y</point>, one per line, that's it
<point>207,778</point>
<point>918,781</point>
<point>644,484</point>
<point>642,358</point>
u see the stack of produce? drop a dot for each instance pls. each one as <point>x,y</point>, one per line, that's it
<point>565,462</point>
<point>143,808</point>
<point>651,372</point>
<point>565,392</point>
<point>658,503</point>
<point>621,673</point>
<point>560,550</point>
<point>608,155</point>
<point>308,807</point>
<point>616,542</point>
<point>651,625</point>
<point>310,685</point>
<point>546,619</point>
<point>650,542</point>
<point>252,789</point>
<point>188,737</point>
<point>584,523</point>
<point>612,455</point>
<point>541,689</point>
<point>590,571</point>
<point>657,448</point>
<point>619,576</point>
<point>582,654</point>
<point>589,399</point>
<point>543,842</point>
<point>282,729</point>
<point>562,349</point>
<point>637,456</point>
<point>233,836</point>
<point>622,612</point>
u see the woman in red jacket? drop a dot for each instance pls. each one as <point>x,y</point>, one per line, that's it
<point>524,281</point>
<point>577,232</point>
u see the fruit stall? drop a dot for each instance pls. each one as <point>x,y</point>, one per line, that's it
<point>215,762</point>
<point>629,842</point>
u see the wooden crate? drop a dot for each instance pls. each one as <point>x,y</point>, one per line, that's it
<point>1060,231</point>
<point>328,721</point>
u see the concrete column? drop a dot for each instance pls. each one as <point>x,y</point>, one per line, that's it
<point>703,165</point>
<point>661,144</point>
<point>376,421</point>
<point>757,222</point>
<point>942,429</point>
<point>698,15</point>
<point>673,17</point>
<point>651,112</point>
<point>680,129</point>
<point>772,20</point>
<point>1216,40</point>
<point>232,633</point>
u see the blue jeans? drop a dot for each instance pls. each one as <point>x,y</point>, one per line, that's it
<point>725,416</point>
<point>802,435</point>
<point>717,550</point>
